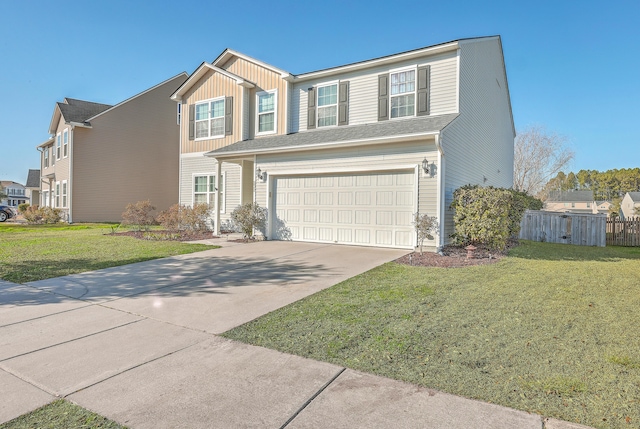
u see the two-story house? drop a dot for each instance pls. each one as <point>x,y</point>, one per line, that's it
<point>102,157</point>
<point>348,154</point>
<point>630,205</point>
<point>16,193</point>
<point>572,201</point>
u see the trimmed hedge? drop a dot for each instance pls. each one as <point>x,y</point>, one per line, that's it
<point>489,216</point>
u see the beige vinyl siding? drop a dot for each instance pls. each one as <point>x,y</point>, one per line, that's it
<point>363,90</point>
<point>478,145</point>
<point>388,157</point>
<point>130,154</point>
<point>212,85</point>
<point>60,169</point>
<point>200,165</point>
<point>265,80</point>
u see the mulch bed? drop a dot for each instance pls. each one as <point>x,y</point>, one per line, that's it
<point>454,257</point>
<point>167,235</point>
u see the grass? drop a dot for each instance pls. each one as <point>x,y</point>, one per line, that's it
<point>37,252</point>
<point>550,329</point>
<point>61,414</point>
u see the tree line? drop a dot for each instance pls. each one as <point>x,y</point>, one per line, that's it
<point>606,185</point>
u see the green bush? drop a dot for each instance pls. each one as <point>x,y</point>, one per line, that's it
<point>248,217</point>
<point>23,207</point>
<point>184,218</point>
<point>489,216</point>
<point>139,215</point>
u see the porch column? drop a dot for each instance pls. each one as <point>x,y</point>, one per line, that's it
<point>216,209</point>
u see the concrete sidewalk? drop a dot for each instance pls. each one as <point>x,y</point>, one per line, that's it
<point>138,344</point>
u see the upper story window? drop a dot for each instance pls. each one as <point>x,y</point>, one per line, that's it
<point>210,119</point>
<point>45,155</point>
<point>53,155</point>
<point>266,111</point>
<point>403,96</point>
<point>327,105</point>
<point>179,113</point>
<point>65,143</point>
<point>58,146</point>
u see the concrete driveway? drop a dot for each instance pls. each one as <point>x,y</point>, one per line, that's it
<point>137,344</point>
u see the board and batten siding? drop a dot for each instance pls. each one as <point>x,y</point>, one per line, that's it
<point>192,165</point>
<point>265,80</point>
<point>212,85</point>
<point>130,154</point>
<point>363,90</point>
<point>387,157</point>
<point>478,145</point>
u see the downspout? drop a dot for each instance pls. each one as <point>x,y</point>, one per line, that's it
<point>440,191</point>
<point>70,181</point>
<point>216,226</point>
<point>180,151</point>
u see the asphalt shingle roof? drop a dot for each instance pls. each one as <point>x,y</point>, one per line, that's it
<point>570,196</point>
<point>79,110</point>
<point>635,196</point>
<point>301,140</point>
<point>33,179</point>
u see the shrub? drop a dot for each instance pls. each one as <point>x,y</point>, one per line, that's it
<point>139,215</point>
<point>248,217</point>
<point>184,218</point>
<point>37,215</point>
<point>23,207</point>
<point>425,226</point>
<point>489,215</point>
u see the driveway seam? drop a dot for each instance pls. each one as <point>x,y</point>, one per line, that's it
<point>314,396</point>
<point>29,382</point>
<point>89,304</point>
<point>72,340</point>
<point>132,368</point>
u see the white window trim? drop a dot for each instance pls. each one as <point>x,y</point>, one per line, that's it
<point>195,122</point>
<point>179,113</point>
<point>65,193</point>
<point>65,146</point>
<point>56,195</point>
<point>318,107</point>
<point>275,112</point>
<point>52,155</point>
<point>415,90</point>
<point>58,146</point>
<point>211,199</point>
<point>45,157</point>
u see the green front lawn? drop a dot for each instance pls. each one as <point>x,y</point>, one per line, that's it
<point>36,252</point>
<point>61,414</point>
<point>551,329</point>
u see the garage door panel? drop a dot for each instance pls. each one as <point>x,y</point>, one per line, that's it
<point>373,209</point>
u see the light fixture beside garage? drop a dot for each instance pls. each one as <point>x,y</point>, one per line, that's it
<point>261,175</point>
<point>425,166</point>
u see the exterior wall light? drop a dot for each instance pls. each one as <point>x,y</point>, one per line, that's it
<point>425,166</point>
<point>261,175</point>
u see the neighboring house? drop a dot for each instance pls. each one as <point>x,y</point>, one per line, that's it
<point>630,205</point>
<point>603,207</point>
<point>571,201</point>
<point>33,187</point>
<point>16,193</point>
<point>101,157</point>
<point>348,154</point>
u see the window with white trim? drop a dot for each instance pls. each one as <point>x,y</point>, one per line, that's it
<point>266,111</point>
<point>65,143</point>
<point>403,93</point>
<point>179,113</point>
<point>64,193</point>
<point>204,190</point>
<point>45,198</point>
<point>327,105</point>
<point>45,154</point>
<point>53,155</point>
<point>210,119</point>
<point>57,195</point>
<point>58,146</point>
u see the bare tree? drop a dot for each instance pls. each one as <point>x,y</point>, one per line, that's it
<point>538,156</point>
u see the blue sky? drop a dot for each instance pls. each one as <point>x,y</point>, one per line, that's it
<point>573,66</point>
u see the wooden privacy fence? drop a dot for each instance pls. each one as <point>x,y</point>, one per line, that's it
<point>582,229</point>
<point>623,232</point>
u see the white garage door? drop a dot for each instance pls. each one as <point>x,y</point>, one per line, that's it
<point>368,209</point>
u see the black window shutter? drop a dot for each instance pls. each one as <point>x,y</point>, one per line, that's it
<point>383,97</point>
<point>423,90</point>
<point>192,121</point>
<point>311,108</point>
<point>343,103</point>
<point>228,116</point>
